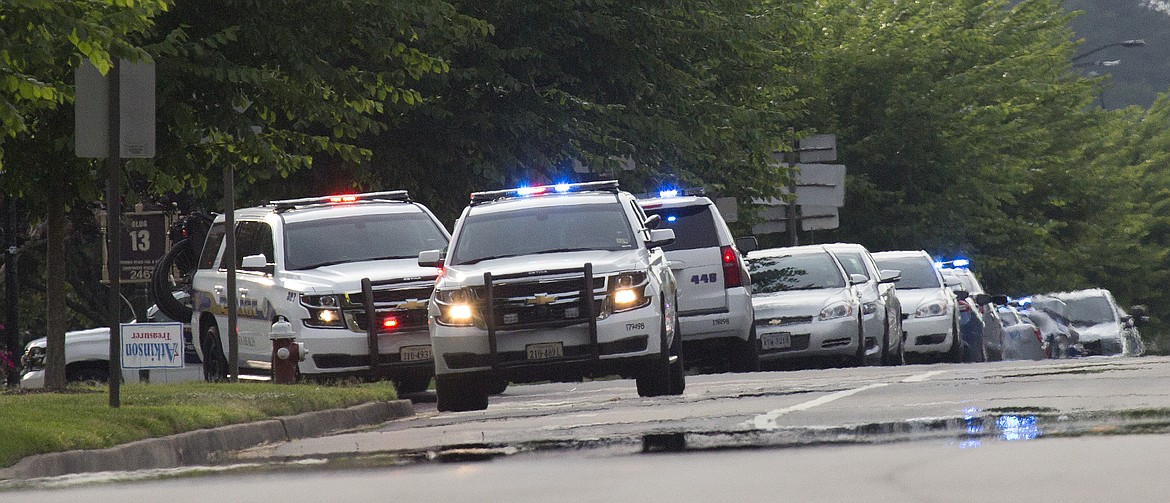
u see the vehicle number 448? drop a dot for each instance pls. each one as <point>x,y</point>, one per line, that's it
<point>704,278</point>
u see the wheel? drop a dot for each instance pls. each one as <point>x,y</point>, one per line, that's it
<point>745,355</point>
<point>414,384</point>
<point>678,368</point>
<point>897,356</point>
<point>656,378</point>
<point>170,284</point>
<point>215,364</point>
<point>859,359</point>
<point>91,373</point>
<point>499,385</point>
<point>460,392</point>
<point>955,354</point>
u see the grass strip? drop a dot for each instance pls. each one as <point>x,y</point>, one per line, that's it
<point>81,418</point>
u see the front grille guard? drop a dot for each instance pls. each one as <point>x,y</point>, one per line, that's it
<point>371,313</point>
<point>586,301</point>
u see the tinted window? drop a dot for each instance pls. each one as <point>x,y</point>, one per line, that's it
<point>853,263</point>
<point>317,243</point>
<point>253,238</point>
<point>694,227</point>
<point>917,272</point>
<point>806,271</point>
<point>211,246</point>
<point>545,229</point>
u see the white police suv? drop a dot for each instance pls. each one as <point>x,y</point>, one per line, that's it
<point>553,283</point>
<point>343,270</point>
<point>715,298</point>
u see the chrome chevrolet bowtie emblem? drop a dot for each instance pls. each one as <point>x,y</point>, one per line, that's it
<point>541,299</point>
<point>412,304</point>
<point>775,321</point>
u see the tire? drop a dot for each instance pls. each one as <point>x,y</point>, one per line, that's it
<point>656,378</point>
<point>678,369</point>
<point>745,355</point>
<point>859,359</point>
<point>460,393</point>
<point>955,354</point>
<point>215,364</point>
<point>499,385</point>
<point>414,384</point>
<point>172,274</point>
<point>898,355</point>
<point>89,373</point>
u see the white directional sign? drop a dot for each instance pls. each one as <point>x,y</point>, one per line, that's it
<point>152,345</point>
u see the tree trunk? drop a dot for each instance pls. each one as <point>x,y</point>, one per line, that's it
<point>55,291</point>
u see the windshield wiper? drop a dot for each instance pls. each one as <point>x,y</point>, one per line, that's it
<point>489,257</point>
<point>322,264</point>
<point>563,250</point>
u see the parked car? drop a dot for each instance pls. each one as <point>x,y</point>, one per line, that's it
<point>714,288</point>
<point>881,310</point>
<point>553,283</point>
<point>1022,339</point>
<point>1104,328</point>
<point>323,264</point>
<point>1050,314</point>
<point>978,321</point>
<point>806,305</point>
<point>930,314</point>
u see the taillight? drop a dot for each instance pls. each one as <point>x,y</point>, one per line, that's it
<point>964,307</point>
<point>731,276</point>
<point>1039,336</point>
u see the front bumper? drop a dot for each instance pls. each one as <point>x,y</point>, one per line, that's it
<point>929,335</point>
<point>812,339</point>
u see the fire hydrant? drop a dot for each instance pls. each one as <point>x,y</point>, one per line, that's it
<point>286,353</point>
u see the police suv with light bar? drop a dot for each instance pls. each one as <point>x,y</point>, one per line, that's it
<point>343,270</point>
<point>553,282</point>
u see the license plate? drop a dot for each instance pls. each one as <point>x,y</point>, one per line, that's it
<point>545,350</point>
<point>778,340</point>
<point>414,353</point>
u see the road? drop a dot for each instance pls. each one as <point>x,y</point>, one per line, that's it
<point>1073,430</point>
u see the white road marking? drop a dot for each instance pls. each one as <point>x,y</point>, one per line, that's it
<point>768,421</point>
<point>923,376</point>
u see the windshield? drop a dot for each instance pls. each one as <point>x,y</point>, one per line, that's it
<point>316,243</point>
<point>544,229</point>
<point>1089,311</point>
<point>853,263</point>
<point>809,271</point>
<point>917,272</point>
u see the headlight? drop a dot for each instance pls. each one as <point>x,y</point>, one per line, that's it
<point>324,311</point>
<point>455,307</point>
<point>932,308</point>
<point>836,310</point>
<point>628,291</point>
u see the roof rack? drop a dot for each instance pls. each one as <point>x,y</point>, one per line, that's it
<point>390,195</point>
<point>610,186</point>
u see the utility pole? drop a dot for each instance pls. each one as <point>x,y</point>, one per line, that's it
<point>114,233</point>
<point>11,321</point>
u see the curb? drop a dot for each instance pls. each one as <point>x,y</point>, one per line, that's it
<point>205,446</point>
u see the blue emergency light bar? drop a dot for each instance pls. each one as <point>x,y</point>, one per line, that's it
<point>390,195</point>
<point>959,263</point>
<point>610,186</point>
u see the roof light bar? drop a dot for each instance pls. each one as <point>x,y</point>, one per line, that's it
<point>959,263</point>
<point>667,193</point>
<point>562,188</point>
<point>391,195</point>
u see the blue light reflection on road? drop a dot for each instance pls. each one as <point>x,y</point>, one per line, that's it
<point>1007,427</point>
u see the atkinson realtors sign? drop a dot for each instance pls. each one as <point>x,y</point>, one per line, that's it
<point>152,345</point>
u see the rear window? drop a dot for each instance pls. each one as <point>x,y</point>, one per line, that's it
<point>694,227</point>
<point>917,272</point>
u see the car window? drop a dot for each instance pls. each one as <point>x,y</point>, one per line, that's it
<point>211,247</point>
<point>253,238</point>
<point>917,272</point>
<point>544,229</point>
<point>809,271</point>
<point>1008,317</point>
<point>694,227</point>
<point>381,236</point>
<point>1089,311</point>
<point>853,263</point>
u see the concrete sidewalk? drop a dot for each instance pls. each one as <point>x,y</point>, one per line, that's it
<point>207,446</point>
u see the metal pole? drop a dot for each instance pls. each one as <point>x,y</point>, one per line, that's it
<point>114,235</point>
<point>791,213</point>
<point>229,203</point>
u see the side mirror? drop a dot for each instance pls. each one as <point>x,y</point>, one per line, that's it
<point>962,294</point>
<point>257,263</point>
<point>652,222</point>
<point>982,299</point>
<point>889,276</point>
<point>1140,314</point>
<point>430,258</point>
<point>857,279</point>
<point>746,244</point>
<point>1000,300</point>
<point>660,238</point>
